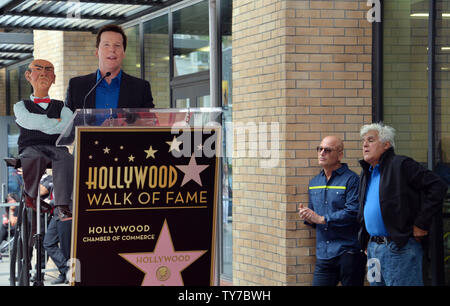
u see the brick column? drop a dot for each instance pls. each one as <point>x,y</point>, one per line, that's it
<point>72,54</point>
<point>307,66</point>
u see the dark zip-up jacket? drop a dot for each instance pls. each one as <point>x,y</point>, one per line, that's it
<point>134,92</point>
<point>410,195</point>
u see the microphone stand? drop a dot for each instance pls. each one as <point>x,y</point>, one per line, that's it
<point>89,92</point>
<point>38,240</point>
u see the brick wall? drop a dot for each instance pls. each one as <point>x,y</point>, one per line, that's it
<point>72,54</point>
<point>79,55</point>
<point>48,45</point>
<point>307,66</point>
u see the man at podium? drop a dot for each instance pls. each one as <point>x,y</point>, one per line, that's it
<point>109,86</point>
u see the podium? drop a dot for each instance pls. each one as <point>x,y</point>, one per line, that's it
<point>145,196</point>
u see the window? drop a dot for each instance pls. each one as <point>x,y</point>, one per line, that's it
<point>17,87</point>
<point>13,89</point>
<point>132,61</point>
<point>191,39</point>
<point>411,88</point>
<point>227,167</point>
<point>405,40</point>
<point>442,97</point>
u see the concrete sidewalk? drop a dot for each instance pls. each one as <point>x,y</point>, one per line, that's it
<point>51,273</point>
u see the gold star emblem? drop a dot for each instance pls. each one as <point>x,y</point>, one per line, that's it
<point>90,156</point>
<point>174,144</point>
<point>106,150</point>
<point>150,152</point>
<point>131,158</point>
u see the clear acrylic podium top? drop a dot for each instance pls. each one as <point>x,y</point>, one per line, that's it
<point>140,117</point>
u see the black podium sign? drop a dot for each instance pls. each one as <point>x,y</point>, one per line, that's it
<point>145,204</point>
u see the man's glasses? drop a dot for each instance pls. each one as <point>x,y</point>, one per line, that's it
<point>325,150</point>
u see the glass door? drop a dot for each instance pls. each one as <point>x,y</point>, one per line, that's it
<point>416,81</point>
<point>9,133</point>
<point>191,91</point>
<point>442,97</point>
<point>190,56</point>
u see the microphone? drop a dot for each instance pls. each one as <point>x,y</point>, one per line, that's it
<point>89,92</point>
<point>92,89</point>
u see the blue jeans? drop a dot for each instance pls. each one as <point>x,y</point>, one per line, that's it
<point>348,268</point>
<point>59,232</point>
<point>389,265</point>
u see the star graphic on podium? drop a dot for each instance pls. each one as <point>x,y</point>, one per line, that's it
<point>164,265</point>
<point>174,144</point>
<point>192,171</point>
<point>150,152</point>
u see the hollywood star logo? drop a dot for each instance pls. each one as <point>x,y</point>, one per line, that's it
<point>123,156</point>
<point>163,266</point>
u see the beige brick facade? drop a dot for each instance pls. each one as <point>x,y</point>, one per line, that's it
<point>307,66</point>
<point>72,54</point>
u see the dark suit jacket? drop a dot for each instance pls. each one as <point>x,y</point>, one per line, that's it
<point>134,92</point>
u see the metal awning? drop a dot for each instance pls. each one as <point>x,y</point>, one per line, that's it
<point>15,47</point>
<point>18,16</point>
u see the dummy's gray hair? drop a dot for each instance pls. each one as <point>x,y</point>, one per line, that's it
<point>385,132</point>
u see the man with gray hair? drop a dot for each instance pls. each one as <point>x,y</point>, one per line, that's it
<point>398,198</point>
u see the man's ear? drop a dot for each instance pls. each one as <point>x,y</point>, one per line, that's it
<point>27,75</point>
<point>341,155</point>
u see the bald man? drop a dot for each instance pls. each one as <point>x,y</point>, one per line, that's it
<point>332,210</point>
<point>41,120</point>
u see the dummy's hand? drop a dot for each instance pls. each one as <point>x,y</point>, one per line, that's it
<point>59,119</point>
<point>309,215</point>
<point>419,233</point>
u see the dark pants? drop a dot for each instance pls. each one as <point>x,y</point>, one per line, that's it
<point>4,232</point>
<point>35,159</point>
<point>348,268</point>
<point>59,232</point>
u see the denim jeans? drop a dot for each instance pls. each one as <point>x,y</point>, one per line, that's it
<point>389,265</point>
<point>349,268</point>
<point>59,232</point>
